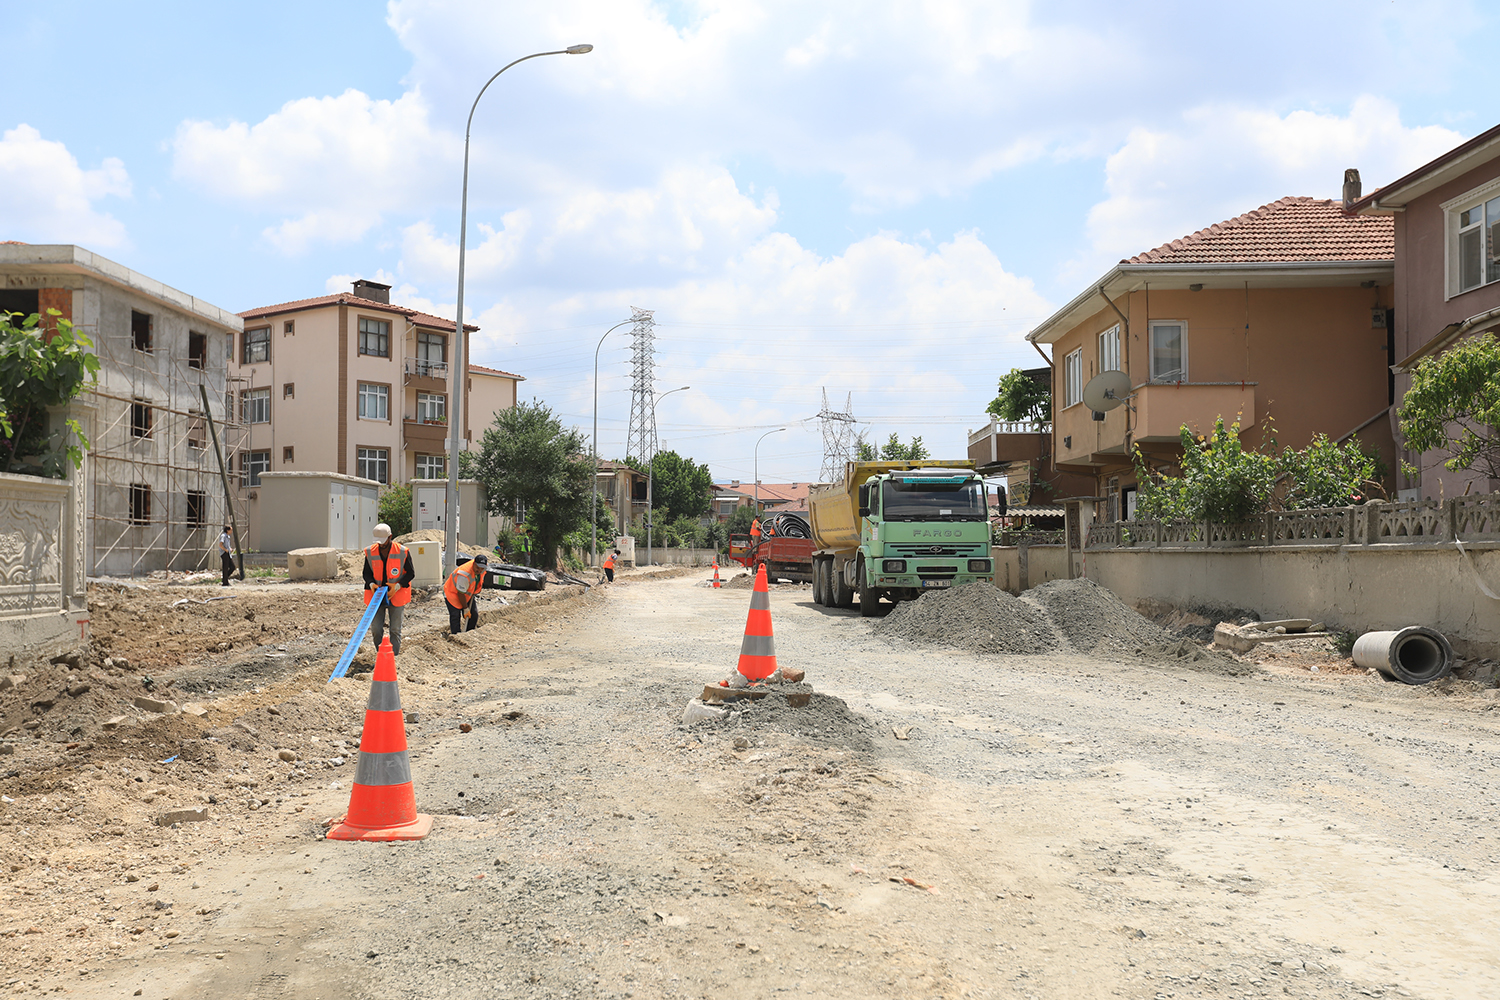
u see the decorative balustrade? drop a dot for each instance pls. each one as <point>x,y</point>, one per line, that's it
<point>1470,518</point>
<point>1009,538</point>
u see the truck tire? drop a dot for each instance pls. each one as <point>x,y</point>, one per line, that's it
<point>820,583</point>
<point>869,600</point>
<point>843,597</point>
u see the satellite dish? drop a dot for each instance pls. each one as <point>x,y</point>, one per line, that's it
<point>1106,391</point>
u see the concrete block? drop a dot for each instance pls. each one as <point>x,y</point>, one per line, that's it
<point>195,708</point>
<point>152,705</point>
<point>112,722</point>
<point>312,564</point>
<point>197,815</point>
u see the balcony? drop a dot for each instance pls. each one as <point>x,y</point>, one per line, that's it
<point>425,435</point>
<point>427,376</point>
<point>1003,442</point>
<point>1156,415</point>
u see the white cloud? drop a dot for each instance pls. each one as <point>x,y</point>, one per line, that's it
<point>1219,162</point>
<point>331,166</point>
<point>46,197</point>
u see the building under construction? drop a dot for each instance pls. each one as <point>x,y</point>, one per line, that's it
<point>159,420</point>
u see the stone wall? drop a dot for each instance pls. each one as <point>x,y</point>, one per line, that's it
<point>42,585</point>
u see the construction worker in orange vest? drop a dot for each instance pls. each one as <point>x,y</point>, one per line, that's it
<point>388,564</point>
<point>609,565</point>
<point>755,531</point>
<point>460,590</point>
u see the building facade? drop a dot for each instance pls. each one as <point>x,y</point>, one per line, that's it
<point>1279,314</point>
<point>154,494</point>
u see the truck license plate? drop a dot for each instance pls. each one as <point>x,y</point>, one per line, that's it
<point>937,583</point>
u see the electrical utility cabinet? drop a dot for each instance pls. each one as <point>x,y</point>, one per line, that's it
<point>301,510</point>
<point>429,509</point>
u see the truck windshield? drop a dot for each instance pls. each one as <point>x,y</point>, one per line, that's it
<point>933,501</point>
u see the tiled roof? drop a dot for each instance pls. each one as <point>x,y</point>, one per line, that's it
<point>13,243</point>
<point>482,370</point>
<point>345,298</point>
<point>1285,231</point>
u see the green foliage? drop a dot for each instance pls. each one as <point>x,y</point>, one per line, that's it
<point>395,508</point>
<point>468,465</point>
<point>1022,399</point>
<point>1221,480</point>
<point>680,486</point>
<point>1344,642</point>
<point>739,521</point>
<point>864,451</point>
<point>528,457</point>
<point>1225,482</point>
<point>38,371</point>
<point>894,451</point>
<point>716,536</point>
<point>1453,406</point>
<point>1326,475</point>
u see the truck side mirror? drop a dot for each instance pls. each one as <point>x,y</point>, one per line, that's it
<point>1000,499</point>
<point>864,500</point>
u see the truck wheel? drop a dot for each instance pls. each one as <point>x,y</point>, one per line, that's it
<point>869,600</point>
<point>820,583</point>
<point>843,597</point>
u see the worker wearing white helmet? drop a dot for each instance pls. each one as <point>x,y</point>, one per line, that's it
<point>388,564</point>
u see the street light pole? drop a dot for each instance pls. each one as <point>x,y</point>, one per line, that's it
<point>757,465</point>
<point>594,496</point>
<point>457,411</point>
<point>651,471</point>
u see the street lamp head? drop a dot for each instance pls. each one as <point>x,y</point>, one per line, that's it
<point>578,50</point>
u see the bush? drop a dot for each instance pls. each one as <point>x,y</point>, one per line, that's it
<point>395,508</point>
<point>1221,480</point>
<point>1453,406</point>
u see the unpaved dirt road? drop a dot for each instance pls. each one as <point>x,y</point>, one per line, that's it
<point>1086,828</point>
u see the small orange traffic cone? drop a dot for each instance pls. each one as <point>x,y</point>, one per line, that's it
<point>383,802</point>
<point>716,575</point>
<point>758,650</point>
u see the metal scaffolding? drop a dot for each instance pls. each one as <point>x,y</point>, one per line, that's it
<point>156,497</point>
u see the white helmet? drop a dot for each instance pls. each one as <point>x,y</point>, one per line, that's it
<point>382,532</point>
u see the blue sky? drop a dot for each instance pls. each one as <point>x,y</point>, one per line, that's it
<point>872,198</point>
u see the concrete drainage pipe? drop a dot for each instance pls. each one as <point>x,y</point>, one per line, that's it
<point>1413,655</point>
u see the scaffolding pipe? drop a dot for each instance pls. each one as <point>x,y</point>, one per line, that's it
<point>234,522</point>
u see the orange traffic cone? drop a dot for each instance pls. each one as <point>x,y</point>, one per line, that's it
<point>758,651</point>
<point>383,802</point>
<point>716,575</point>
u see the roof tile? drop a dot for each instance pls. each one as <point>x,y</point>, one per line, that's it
<point>345,298</point>
<point>1285,231</point>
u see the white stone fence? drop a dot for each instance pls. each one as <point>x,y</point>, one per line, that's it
<point>42,586</point>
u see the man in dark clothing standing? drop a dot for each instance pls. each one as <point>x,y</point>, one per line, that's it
<point>226,559</point>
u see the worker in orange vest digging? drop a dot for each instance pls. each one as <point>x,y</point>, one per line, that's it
<point>388,564</point>
<point>755,531</point>
<point>609,566</point>
<point>460,590</point>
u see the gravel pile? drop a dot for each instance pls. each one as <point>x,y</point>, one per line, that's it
<point>977,617</point>
<point>824,720</point>
<point>1094,620</point>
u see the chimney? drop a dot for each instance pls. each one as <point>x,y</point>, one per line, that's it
<point>373,290</point>
<point>1352,188</point>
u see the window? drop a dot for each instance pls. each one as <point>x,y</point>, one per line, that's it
<point>140,503</point>
<point>431,467</point>
<point>289,390</point>
<point>289,328</point>
<point>432,354</point>
<point>1109,350</point>
<point>252,464</point>
<point>257,346</point>
<point>1073,378</point>
<point>197,508</point>
<point>140,418</point>
<point>256,408</point>
<point>140,330</point>
<point>432,408</point>
<point>374,402</point>
<point>197,349</point>
<point>375,338</point>
<point>197,430</point>
<point>374,463</point>
<point>1168,352</point>
<point>286,455</point>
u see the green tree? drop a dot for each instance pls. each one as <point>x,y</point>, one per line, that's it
<point>1453,407</point>
<point>1326,475</point>
<point>739,521</point>
<point>680,486</point>
<point>864,451</point>
<point>395,508</point>
<point>527,456</point>
<point>1221,480</point>
<point>894,451</point>
<point>1022,399</point>
<point>40,370</point>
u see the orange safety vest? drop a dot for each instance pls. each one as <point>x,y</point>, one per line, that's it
<point>388,569</point>
<point>462,584</point>
<point>610,562</point>
<point>755,528</point>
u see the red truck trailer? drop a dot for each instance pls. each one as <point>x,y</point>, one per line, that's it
<point>784,558</point>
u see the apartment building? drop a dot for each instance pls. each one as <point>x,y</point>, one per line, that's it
<point>352,384</point>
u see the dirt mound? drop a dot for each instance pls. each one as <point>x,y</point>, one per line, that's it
<point>434,535</point>
<point>1094,620</point>
<point>742,582</point>
<point>977,617</point>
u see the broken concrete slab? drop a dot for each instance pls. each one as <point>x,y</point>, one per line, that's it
<point>197,815</point>
<point>152,705</point>
<point>1242,639</point>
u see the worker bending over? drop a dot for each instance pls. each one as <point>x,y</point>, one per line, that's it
<point>462,587</point>
<point>388,564</point>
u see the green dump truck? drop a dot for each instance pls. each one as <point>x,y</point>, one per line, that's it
<point>896,529</point>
